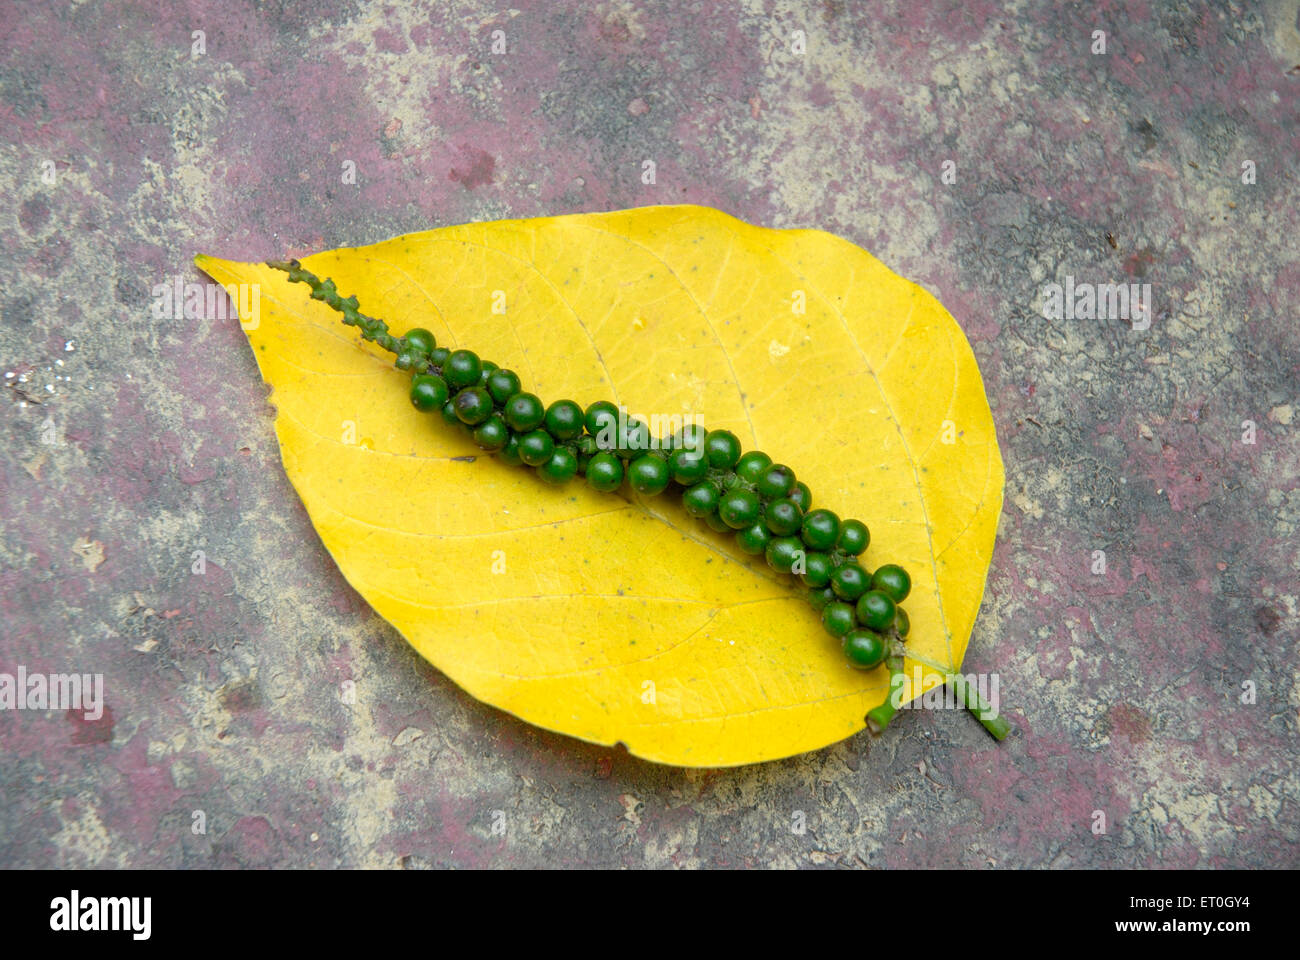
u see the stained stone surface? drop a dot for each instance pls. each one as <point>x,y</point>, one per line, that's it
<point>983,153</point>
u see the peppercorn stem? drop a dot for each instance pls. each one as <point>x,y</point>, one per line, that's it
<point>993,721</point>
<point>878,718</point>
<point>371,329</point>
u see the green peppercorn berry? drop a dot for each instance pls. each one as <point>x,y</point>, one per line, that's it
<point>524,412</point>
<point>715,522</point>
<point>604,472</point>
<point>488,369</point>
<point>701,499</point>
<point>838,619</point>
<point>754,539</point>
<point>738,508</point>
<point>601,421</point>
<point>687,467</point>
<point>509,454</point>
<point>462,369</point>
<point>722,449</point>
<point>492,434</point>
<point>817,569</point>
<point>438,357</point>
<point>820,597</point>
<point>585,448</point>
<point>901,622</point>
<point>801,495</point>
<point>875,610</point>
<point>691,438</point>
<point>428,392</point>
<point>419,340</point>
<point>775,482</point>
<point>563,420</point>
<point>635,439</point>
<point>560,468</point>
<point>648,475</point>
<point>850,581</point>
<point>783,553</point>
<point>448,412</point>
<point>854,537</point>
<point>820,529</point>
<point>864,648</point>
<point>891,579</point>
<point>751,465</point>
<point>783,518</point>
<point>502,384</point>
<point>473,405</point>
<point>536,448</point>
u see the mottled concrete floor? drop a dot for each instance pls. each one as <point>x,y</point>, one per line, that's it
<point>128,444</point>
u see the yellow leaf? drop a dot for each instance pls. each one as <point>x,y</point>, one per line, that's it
<point>609,617</point>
